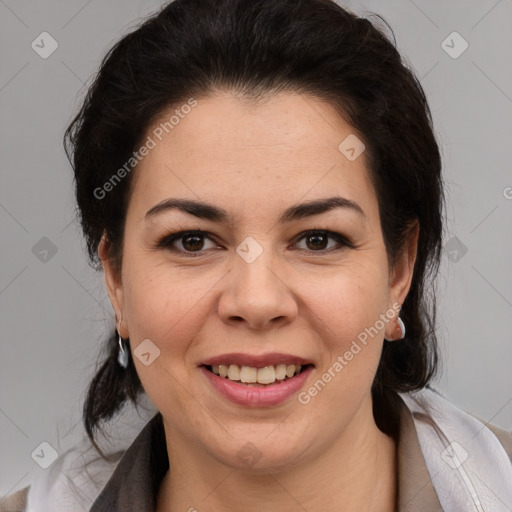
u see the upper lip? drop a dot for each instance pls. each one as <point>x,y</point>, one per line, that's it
<point>256,361</point>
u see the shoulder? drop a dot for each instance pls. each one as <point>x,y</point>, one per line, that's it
<point>503,436</point>
<point>72,482</point>
<point>470,462</point>
<point>15,502</point>
<point>430,404</point>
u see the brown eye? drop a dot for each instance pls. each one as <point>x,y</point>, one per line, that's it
<point>188,243</point>
<point>192,242</point>
<point>319,241</point>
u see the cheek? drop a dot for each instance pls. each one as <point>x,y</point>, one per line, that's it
<point>167,307</point>
<point>347,301</point>
<point>348,308</point>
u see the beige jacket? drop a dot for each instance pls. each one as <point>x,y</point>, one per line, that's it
<point>133,484</point>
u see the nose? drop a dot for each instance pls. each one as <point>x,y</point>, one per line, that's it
<point>256,294</point>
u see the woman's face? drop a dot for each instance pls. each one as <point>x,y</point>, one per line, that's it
<point>255,283</point>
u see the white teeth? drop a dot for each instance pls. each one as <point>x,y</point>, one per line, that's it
<point>290,370</point>
<point>233,372</point>
<point>250,375</point>
<point>280,371</point>
<point>266,375</point>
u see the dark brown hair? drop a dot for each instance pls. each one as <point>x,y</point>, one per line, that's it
<point>193,47</point>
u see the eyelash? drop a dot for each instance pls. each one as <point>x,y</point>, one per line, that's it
<point>167,241</point>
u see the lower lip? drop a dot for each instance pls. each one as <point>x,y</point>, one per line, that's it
<point>256,396</point>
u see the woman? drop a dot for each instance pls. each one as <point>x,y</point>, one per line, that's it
<point>262,186</point>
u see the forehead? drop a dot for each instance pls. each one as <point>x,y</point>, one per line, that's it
<point>234,151</point>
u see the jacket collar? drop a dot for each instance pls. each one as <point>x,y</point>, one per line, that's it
<point>136,479</point>
<point>415,490</point>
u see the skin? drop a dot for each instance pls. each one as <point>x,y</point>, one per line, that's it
<point>255,160</point>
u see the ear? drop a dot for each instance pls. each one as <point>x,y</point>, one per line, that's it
<point>401,274</point>
<point>113,282</point>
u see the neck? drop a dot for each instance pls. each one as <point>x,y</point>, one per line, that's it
<point>358,471</point>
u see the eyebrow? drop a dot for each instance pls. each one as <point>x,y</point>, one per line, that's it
<point>206,211</point>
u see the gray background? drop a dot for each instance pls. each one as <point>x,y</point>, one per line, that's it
<point>54,309</point>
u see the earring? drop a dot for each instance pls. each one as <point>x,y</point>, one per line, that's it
<point>401,328</point>
<point>122,357</point>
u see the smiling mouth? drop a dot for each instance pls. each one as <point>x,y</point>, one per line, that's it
<point>257,377</point>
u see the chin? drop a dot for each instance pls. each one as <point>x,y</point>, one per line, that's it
<point>260,451</point>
